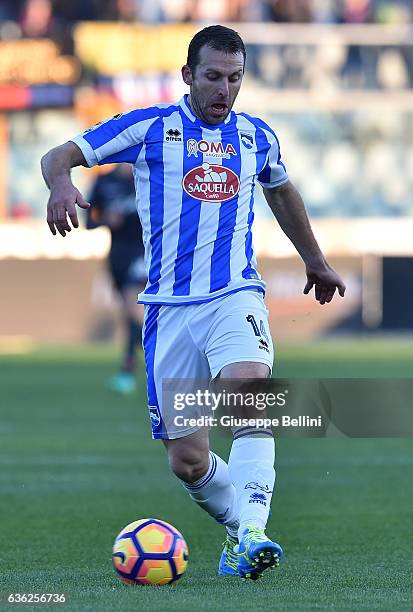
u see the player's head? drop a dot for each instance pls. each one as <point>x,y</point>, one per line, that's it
<point>214,71</point>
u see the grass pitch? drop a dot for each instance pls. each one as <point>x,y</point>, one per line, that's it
<point>78,464</point>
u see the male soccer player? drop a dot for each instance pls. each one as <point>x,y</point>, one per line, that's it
<point>113,204</point>
<point>196,164</point>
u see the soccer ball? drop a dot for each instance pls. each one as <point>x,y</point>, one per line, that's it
<point>150,551</point>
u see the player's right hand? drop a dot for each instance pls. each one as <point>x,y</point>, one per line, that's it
<point>62,206</point>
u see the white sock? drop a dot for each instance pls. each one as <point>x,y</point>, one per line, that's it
<point>251,467</point>
<point>216,494</point>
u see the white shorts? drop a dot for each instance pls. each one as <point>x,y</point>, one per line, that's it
<point>195,342</point>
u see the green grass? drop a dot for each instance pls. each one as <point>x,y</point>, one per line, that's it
<point>77,464</point>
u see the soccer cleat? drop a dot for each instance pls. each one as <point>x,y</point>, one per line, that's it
<point>123,383</point>
<point>228,564</point>
<point>257,553</point>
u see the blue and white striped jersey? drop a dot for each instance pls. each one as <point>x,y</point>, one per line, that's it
<point>195,195</point>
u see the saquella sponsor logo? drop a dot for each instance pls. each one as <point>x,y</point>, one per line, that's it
<point>211,183</point>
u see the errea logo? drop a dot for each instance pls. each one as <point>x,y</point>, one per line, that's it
<point>258,498</point>
<point>173,135</point>
<point>263,344</point>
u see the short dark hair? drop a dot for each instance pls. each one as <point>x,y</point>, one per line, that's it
<point>217,37</point>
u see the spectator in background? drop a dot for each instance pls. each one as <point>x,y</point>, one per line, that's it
<point>159,11</point>
<point>113,205</point>
<point>253,10</point>
<point>399,12</point>
<point>357,11</point>
<point>359,69</point>
<point>10,9</point>
<point>298,11</point>
<point>210,10</point>
<point>36,14</point>
<point>395,12</point>
<point>78,10</point>
<point>67,14</point>
<point>128,10</point>
<point>325,11</point>
<point>36,20</point>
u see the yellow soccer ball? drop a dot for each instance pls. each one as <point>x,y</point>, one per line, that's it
<point>150,551</point>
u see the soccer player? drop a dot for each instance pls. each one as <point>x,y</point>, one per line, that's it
<point>113,204</point>
<point>196,164</point>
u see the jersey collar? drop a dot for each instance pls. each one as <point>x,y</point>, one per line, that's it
<point>183,103</point>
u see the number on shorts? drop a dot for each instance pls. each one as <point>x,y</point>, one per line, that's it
<point>261,331</point>
<point>251,319</point>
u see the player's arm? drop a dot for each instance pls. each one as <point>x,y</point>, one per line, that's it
<point>288,208</point>
<point>115,140</point>
<point>56,166</point>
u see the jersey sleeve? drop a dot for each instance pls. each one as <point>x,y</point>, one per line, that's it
<point>273,172</point>
<point>118,139</point>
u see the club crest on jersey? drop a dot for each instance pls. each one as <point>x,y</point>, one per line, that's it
<point>247,140</point>
<point>213,149</point>
<point>211,183</point>
<point>155,415</point>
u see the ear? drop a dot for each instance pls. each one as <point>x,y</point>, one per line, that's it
<point>187,74</point>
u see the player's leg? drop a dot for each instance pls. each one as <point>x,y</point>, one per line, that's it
<point>124,380</point>
<point>133,321</point>
<point>170,353</point>
<point>129,279</point>
<point>134,283</point>
<point>252,457</point>
<point>206,477</point>
<point>251,466</point>
<point>240,347</point>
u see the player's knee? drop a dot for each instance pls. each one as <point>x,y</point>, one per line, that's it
<point>187,466</point>
<point>245,369</point>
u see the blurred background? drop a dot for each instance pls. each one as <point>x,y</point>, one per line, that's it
<point>334,80</point>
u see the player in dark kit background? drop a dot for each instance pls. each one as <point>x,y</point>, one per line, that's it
<point>113,202</point>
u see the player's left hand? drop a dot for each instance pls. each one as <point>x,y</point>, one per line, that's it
<point>325,282</point>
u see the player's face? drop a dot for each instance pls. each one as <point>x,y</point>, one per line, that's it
<point>214,84</point>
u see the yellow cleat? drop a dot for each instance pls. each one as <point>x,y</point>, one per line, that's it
<point>256,553</point>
